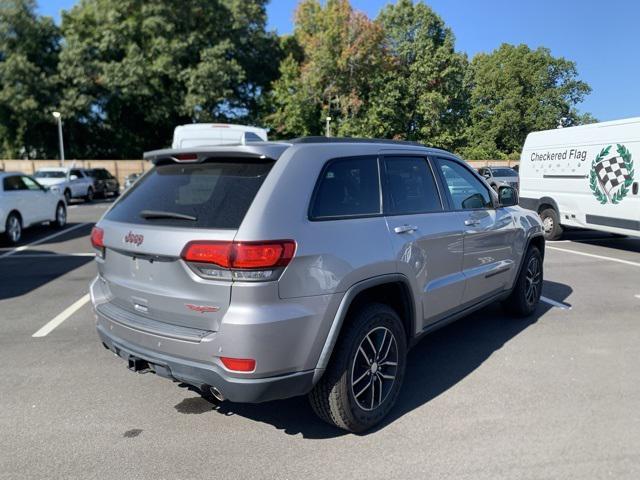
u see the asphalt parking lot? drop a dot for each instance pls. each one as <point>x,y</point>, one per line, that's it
<point>556,395</point>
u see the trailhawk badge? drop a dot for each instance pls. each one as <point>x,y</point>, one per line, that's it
<point>611,176</point>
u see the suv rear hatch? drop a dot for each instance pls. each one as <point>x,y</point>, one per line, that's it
<point>145,233</point>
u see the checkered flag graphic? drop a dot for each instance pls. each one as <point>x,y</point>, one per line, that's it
<point>611,173</point>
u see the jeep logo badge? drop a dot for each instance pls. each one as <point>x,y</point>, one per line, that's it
<point>134,238</point>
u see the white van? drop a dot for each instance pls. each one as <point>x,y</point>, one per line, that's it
<point>584,177</point>
<point>203,134</point>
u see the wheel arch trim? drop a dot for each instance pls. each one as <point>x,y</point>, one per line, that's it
<point>343,308</point>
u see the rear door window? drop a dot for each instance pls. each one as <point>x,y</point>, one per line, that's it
<point>347,187</point>
<point>409,186</point>
<point>217,194</point>
<point>11,184</point>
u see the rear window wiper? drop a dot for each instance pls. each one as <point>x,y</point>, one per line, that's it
<point>156,214</point>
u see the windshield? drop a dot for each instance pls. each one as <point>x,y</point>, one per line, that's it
<point>504,172</point>
<point>205,195</point>
<point>50,174</point>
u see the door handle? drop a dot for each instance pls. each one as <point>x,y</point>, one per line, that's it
<point>471,222</point>
<point>405,229</point>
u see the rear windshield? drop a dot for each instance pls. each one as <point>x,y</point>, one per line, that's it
<point>50,174</point>
<point>504,172</point>
<point>99,174</point>
<point>216,194</point>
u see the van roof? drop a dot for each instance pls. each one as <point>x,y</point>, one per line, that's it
<point>585,134</point>
<point>204,126</point>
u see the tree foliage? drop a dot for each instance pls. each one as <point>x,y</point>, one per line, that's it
<point>422,97</point>
<point>133,70</point>
<point>124,73</point>
<point>516,90</point>
<point>29,48</point>
<point>342,54</point>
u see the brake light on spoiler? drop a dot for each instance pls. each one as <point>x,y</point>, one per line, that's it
<point>245,261</point>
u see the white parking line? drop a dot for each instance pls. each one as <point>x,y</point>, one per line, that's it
<point>553,303</point>
<point>637,296</point>
<point>600,257</point>
<point>48,255</point>
<point>58,319</point>
<point>42,240</point>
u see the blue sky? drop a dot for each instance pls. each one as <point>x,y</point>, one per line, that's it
<point>601,37</point>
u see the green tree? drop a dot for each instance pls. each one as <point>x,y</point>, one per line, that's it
<point>342,56</point>
<point>29,47</point>
<point>422,97</point>
<point>516,90</point>
<point>133,70</point>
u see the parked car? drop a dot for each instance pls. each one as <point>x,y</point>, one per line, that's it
<point>584,177</point>
<point>131,179</point>
<point>104,183</point>
<point>498,176</point>
<point>24,202</point>
<point>272,270</point>
<point>71,182</point>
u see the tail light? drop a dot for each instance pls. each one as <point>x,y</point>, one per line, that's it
<point>250,261</point>
<point>239,364</point>
<point>97,240</point>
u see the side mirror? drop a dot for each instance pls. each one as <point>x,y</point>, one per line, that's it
<point>507,196</point>
<point>73,177</point>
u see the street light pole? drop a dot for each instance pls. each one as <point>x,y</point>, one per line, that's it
<point>58,117</point>
<point>328,130</point>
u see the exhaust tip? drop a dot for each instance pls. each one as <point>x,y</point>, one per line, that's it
<point>216,394</point>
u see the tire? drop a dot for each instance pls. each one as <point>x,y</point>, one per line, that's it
<point>67,196</point>
<point>341,397</point>
<point>525,296</point>
<point>61,216</point>
<point>13,228</point>
<point>89,196</point>
<point>551,224</point>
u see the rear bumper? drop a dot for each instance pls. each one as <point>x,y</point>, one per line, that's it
<point>282,346</point>
<point>243,390</point>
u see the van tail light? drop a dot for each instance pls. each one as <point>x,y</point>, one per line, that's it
<point>246,261</point>
<point>239,364</point>
<point>97,240</point>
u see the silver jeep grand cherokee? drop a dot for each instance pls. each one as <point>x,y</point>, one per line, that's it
<point>268,270</point>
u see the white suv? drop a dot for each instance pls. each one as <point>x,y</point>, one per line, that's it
<point>71,182</point>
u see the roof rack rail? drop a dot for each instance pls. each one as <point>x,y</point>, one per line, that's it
<point>322,139</point>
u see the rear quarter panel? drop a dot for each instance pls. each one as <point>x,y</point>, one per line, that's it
<point>331,255</point>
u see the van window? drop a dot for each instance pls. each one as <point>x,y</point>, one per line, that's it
<point>217,194</point>
<point>347,187</point>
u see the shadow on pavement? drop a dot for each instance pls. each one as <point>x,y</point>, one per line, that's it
<point>19,276</point>
<point>438,362</point>
<point>602,239</point>
<point>33,234</point>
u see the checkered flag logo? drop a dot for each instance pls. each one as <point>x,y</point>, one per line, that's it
<point>612,173</point>
<point>610,179</point>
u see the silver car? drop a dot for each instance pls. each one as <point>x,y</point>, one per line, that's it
<point>499,176</point>
<point>270,270</point>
